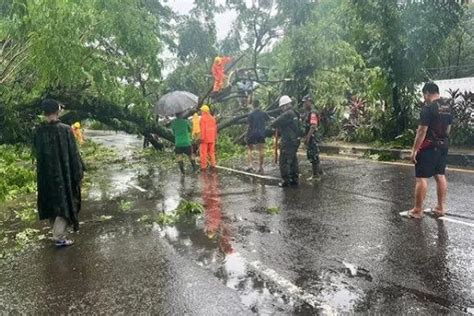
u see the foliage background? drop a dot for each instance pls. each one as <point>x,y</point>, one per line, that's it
<point>361,60</point>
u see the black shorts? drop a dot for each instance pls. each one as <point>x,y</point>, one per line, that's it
<point>255,139</point>
<point>183,150</point>
<point>430,162</point>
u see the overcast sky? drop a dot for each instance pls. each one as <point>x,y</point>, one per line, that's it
<point>223,21</point>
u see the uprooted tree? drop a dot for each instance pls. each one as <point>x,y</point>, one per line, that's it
<point>99,58</point>
<point>102,58</point>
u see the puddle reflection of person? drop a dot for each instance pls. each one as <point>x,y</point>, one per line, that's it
<point>214,226</point>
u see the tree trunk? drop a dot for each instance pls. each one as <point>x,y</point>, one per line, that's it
<point>398,111</point>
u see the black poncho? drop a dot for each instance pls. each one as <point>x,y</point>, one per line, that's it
<point>59,172</point>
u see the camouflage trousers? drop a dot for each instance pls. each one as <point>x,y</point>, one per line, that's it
<point>289,168</point>
<point>312,152</point>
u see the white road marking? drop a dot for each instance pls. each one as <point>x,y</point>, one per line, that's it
<point>448,219</point>
<point>137,187</point>
<point>249,174</point>
<point>445,218</point>
<point>291,289</point>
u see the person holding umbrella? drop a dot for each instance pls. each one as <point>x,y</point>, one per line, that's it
<point>178,103</point>
<point>208,136</point>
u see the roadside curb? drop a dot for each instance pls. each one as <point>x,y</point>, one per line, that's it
<point>359,151</point>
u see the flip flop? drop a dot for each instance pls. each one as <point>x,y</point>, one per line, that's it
<point>432,211</point>
<point>64,243</point>
<point>409,214</point>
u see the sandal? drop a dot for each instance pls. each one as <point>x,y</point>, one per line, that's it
<point>64,243</point>
<point>434,211</point>
<point>410,214</point>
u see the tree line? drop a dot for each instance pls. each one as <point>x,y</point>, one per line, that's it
<point>105,60</point>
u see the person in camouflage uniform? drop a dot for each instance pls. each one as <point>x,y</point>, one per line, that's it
<point>287,125</point>
<point>310,120</point>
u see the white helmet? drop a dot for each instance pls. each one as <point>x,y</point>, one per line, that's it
<point>284,100</point>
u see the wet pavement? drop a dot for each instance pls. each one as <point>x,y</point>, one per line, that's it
<point>331,247</point>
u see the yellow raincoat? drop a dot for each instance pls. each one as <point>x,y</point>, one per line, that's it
<point>196,127</point>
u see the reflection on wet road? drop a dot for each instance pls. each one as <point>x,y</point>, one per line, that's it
<point>336,246</point>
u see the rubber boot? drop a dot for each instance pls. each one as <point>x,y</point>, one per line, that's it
<point>315,167</point>
<point>284,184</point>
<point>316,172</point>
<point>181,166</point>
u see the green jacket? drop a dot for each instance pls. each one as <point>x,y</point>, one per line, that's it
<point>182,132</point>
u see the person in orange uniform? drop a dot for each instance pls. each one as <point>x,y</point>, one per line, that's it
<point>208,134</point>
<point>218,72</point>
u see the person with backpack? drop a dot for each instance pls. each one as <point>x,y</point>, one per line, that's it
<point>256,135</point>
<point>430,149</point>
<point>288,127</point>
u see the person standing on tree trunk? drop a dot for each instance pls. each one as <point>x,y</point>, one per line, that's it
<point>59,170</point>
<point>430,149</point>
<point>208,136</point>
<point>288,126</point>
<point>181,128</point>
<point>256,135</point>
<point>311,121</point>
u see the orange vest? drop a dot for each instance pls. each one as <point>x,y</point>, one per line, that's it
<point>208,128</point>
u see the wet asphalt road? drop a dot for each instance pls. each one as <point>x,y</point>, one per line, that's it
<point>335,246</point>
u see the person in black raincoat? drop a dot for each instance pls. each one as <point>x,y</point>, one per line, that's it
<point>59,173</point>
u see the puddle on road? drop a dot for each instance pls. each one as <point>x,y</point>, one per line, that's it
<point>342,299</point>
<point>211,239</point>
<point>110,183</point>
<point>229,266</point>
<point>337,293</point>
<point>208,239</point>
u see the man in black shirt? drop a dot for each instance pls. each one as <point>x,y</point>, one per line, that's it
<point>256,135</point>
<point>430,149</point>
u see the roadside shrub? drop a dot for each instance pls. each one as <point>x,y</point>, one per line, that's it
<point>17,172</point>
<point>405,139</point>
<point>227,148</point>
<point>18,168</point>
<point>462,131</point>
